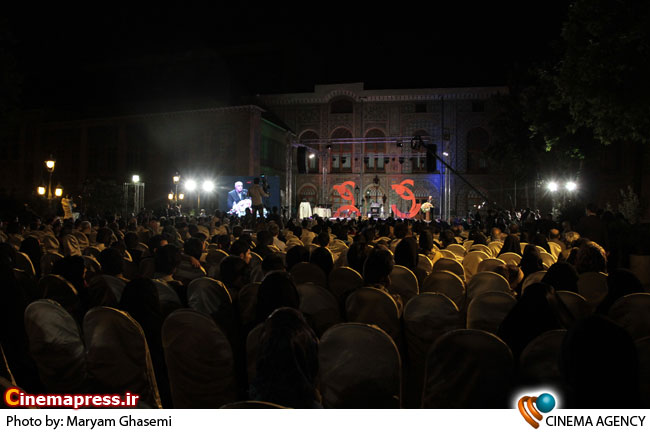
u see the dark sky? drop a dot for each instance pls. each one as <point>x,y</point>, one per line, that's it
<point>125,56</point>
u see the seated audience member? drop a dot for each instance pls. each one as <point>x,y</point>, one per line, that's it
<point>273,262</point>
<point>620,282</point>
<point>242,249</point>
<point>538,310</point>
<point>264,240</point>
<point>233,273</point>
<point>599,366</point>
<point>447,238</point>
<point>276,290</point>
<point>541,241</point>
<point>427,248</point>
<point>531,261</point>
<point>112,262</point>
<point>406,253</point>
<point>591,258</point>
<point>132,244</point>
<point>166,259</point>
<point>562,276</point>
<point>103,240</point>
<point>287,362</point>
<point>511,244</point>
<point>322,257</point>
<point>356,256</point>
<point>296,255</point>
<point>377,268</point>
<point>32,248</point>
<point>322,239</point>
<point>222,241</point>
<point>189,268</point>
<point>274,229</point>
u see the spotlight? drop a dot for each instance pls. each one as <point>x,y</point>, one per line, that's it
<point>329,146</point>
<point>552,186</point>
<point>445,154</point>
<point>311,155</point>
<point>135,178</point>
<point>571,186</point>
<point>208,186</point>
<point>190,185</point>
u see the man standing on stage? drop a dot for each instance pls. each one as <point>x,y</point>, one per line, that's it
<point>236,195</point>
<point>256,194</point>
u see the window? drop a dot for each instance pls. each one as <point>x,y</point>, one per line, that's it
<point>419,158</point>
<point>305,138</point>
<point>341,153</point>
<point>342,106</point>
<point>420,108</point>
<point>478,106</point>
<point>477,142</point>
<point>374,151</point>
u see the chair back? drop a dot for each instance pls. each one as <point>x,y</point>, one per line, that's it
<point>447,283</point>
<point>449,254</point>
<point>403,282</point>
<point>55,287</point>
<point>56,346</point>
<point>576,304</point>
<point>547,259</point>
<point>319,306</point>
<point>207,295</point>
<point>450,265</point>
<point>186,272</point>
<point>47,262</point>
<point>342,281</point>
<point>539,363</point>
<point>458,250</point>
<point>5,371</point>
<point>374,306</point>
<point>252,349</point>
<point>199,359</point>
<point>360,367</point>
<point>247,303</point>
<point>468,244</point>
<point>556,249</point>
<point>487,310</point>
<point>167,296</point>
<point>92,251</point>
<point>632,312</point>
<point>102,283</point>
<point>523,246</point>
<point>24,263</point>
<point>510,258</point>
<point>117,355</point>
<point>472,260</point>
<point>425,264</point>
<point>495,247</point>
<point>213,261</point>
<point>643,353</point>
<point>130,270</point>
<point>487,282</point>
<point>337,246</point>
<point>490,264</point>
<point>468,369</point>
<point>307,272</point>
<point>532,278</point>
<point>593,287</point>
<point>257,274</point>
<point>426,318</point>
<point>481,248</point>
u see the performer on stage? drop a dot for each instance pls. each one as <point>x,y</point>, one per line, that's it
<point>237,194</point>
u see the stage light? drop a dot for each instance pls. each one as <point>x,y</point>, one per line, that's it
<point>445,154</point>
<point>208,186</point>
<point>135,178</point>
<point>190,185</point>
<point>399,144</point>
<point>311,155</point>
<point>552,186</point>
<point>571,186</point>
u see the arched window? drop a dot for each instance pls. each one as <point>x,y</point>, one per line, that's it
<point>373,153</point>
<point>308,192</point>
<point>477,142</point>
<point>308,138</point>
<point>342,105</point>
<point>341,153</point>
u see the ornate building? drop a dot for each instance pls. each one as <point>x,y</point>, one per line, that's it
<point>375,140</point>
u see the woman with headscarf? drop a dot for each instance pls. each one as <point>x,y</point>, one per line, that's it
<point>511,244</point>
<point>287,362</point>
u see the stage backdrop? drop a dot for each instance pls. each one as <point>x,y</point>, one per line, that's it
<point>227,183</point>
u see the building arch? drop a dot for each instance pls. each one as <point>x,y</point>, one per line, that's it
<point>342,105</point>
<point>309,192</point>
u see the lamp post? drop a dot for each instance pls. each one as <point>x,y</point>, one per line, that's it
<point>49,164</point>
<point>176,179</point>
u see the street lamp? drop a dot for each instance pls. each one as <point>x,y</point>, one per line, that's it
<point>41,190</point>
<point>176,179</point>
<point>58,191</point>
<point>49,164</point>
<point>571,186</point>
<point>552,186</point>
<point>135,178</point>
<point>170,196</point>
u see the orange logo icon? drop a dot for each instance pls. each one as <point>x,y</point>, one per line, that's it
<point>530,407</point>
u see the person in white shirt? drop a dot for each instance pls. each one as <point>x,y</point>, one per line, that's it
<point>274,229</point>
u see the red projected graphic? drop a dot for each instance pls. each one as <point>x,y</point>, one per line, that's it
<point>347,195</point>
<point>405,193</point>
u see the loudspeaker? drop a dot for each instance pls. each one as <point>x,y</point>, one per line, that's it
<point>431,159</point>
<point>302,160</point>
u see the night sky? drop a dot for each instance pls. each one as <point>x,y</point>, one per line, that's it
<point>182,57</point>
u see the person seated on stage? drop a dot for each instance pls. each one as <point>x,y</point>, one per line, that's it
<point>237,194</point>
